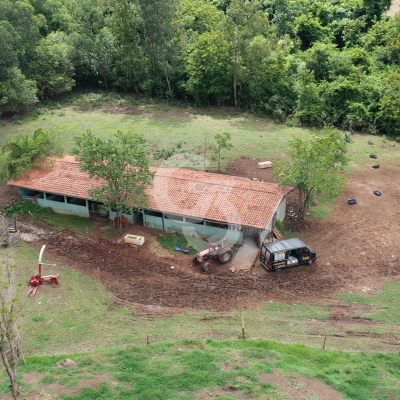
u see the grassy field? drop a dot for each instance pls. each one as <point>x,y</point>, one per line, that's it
<point>158,123</point>
<point>81,316</point>
<point>188,368</point>
<point>181,128</point>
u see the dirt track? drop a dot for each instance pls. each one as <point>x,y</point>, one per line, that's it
<point>358,248</point>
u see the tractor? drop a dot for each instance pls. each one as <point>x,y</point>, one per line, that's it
<point>217,248</point>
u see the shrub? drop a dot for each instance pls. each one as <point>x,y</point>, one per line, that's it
<point>279,225</point>
<point>28,208</point>
<point>163,153</point>
<point>17,119</point>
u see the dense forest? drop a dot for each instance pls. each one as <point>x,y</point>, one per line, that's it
<point>309,62</point>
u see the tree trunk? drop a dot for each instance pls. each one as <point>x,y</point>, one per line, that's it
<point>165,72</point>
<point>304,197</point>
<point>134,77</point>
<point>234,91</point>
<point>12,372</point>
<point>105,81</point>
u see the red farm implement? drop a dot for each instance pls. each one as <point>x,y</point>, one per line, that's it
<point>37,280</point>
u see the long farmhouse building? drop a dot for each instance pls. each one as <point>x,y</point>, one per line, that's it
<point>181,200</point>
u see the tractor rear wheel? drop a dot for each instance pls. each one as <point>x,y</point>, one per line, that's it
<point>226,256</point>
<point>206,267</point>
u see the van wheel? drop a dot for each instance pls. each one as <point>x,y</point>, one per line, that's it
<point>309,262</point>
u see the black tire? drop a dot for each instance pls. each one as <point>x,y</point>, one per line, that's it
<point>206,267</point>
<point>195,260</point>
<point>309,262</point>
<point>226,256</point>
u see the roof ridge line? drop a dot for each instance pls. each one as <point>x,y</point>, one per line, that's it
<point>213,183</point>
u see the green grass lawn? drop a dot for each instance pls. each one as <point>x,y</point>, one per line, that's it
<point>163,126</point>
<point>188,368</point>
<point>179,127</point>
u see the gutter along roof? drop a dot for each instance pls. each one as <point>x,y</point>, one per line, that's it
<point>186,192</point>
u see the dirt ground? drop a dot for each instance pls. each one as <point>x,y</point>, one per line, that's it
<point>357,250</point>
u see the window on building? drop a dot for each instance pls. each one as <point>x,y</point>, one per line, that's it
<point>217,225</point>
<point>194,221</point>
<point>76,201</point>
<point>174,217</point>
<point>55,197</point>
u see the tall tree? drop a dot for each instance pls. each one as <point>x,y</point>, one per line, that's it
<point>309,30</point>
<point>208,68</point>
<point>161,35</point>
<point>95,54</point>
<point>388,114</point>
<point>131,63</point>
<point>10,344</point>
<point>375,9</point>
<point>16,92</point>
<point>53,68</point>
<point>21,15</point>
<point>121,165</point>
<point>244,21</point>
<point>315,165</point>
<point>223,143</point>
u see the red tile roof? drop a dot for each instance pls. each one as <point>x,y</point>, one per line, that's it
<point>186,192</point>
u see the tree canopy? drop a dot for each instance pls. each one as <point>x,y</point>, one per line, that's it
<point>311,62</point>
<point>122,167</point>
<point>315,165</point>
<point>19,154</point>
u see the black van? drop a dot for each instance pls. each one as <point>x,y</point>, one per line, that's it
<point>286,253</point>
